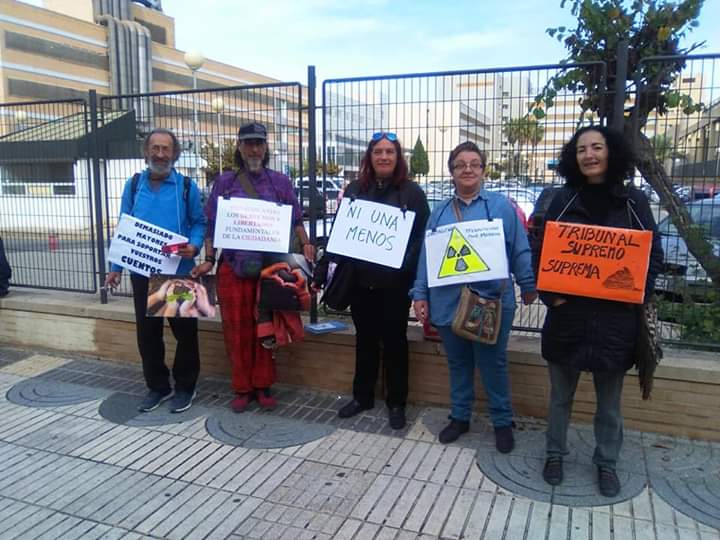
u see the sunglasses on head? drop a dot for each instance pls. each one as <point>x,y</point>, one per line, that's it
<point>389,135</point>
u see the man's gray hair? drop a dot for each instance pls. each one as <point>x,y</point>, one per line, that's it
<point>177,150</point>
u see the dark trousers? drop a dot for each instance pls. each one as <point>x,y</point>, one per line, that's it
<point>608,422</point>
<point>186,368</point>
<point>5,272</point>
<point>381,316</point>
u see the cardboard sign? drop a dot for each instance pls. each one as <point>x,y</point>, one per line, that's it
<point>138,246</point>
<point>599,262</point>
<point>181,296</point>
<point>371,231</point>
<point>253,225</point>
<point>466,252</point>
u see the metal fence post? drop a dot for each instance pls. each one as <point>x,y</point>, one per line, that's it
<point>621,67</point>
<point>97,195</point>
<point>312,165</point>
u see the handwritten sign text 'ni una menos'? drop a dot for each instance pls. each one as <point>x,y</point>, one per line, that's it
<point>599,262</point>
<point>371,231</point>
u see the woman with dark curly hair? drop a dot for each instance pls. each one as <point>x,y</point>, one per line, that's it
<point>590,334</point>
<point>380,302</point>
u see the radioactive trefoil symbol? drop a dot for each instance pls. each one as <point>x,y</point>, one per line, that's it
<point>460,257</point>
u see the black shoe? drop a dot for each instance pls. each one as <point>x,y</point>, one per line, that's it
<point>396,415</point>
<point>453,430</point>
<point>181,401</point>
<point>504,440</point>
<point>153,400</point>
<point>351,409</point>
<point>553,470</point>
<point>608,482</point>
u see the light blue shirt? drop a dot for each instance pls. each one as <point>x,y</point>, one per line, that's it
<point>167,209</point>
<point>444,300</point>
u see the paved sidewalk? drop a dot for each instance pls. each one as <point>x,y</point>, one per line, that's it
<point>77,461</point>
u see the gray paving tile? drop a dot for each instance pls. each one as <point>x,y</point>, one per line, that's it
<point>686,474</point>
<point>27,517</point>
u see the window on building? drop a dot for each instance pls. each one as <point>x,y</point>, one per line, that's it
<point>47,179</point>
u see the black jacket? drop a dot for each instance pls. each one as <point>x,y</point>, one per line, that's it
<point>374,276</point>
<point>588,333</point>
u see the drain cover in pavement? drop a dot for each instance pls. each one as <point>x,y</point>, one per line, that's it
<point>254,430</point>
<point>40,392</point>
<point>521,471</point>
<point>686,475</point>
<point>121,408</point>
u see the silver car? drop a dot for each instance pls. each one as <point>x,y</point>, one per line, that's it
<point>683,274</point>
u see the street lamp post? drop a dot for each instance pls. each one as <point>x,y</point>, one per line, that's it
<point>218,105</point>
<point>20,117</point>
<point>442,129</point>
<point>194,61</point>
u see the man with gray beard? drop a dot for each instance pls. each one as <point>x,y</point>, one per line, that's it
<point>162,196</point>
<point>251,358</point>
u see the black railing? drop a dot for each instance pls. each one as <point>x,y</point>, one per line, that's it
<point>63,163</point>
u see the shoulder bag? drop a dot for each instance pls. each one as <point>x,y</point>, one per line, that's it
<point>477,318</point>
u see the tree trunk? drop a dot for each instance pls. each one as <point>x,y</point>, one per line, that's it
<point>654,173</point>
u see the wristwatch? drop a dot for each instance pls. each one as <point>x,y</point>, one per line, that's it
<point>210,259</point>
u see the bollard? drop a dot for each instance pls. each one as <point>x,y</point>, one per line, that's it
<point>52,241</point>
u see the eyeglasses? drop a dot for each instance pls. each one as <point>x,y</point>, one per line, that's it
<point>389,135</point>
<point>461,166</point>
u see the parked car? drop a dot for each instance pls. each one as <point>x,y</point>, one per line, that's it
<point>327,196</point>
<point>537,216</point>
<point>523,198</point>
<point>682,274</point>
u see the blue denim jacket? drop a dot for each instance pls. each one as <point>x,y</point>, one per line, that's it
<point>444,300</point>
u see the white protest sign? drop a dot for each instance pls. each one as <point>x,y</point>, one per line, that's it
<point>252,225</point>
<point>137,246</point>
<point>466,252</point>
<point>371,231</point>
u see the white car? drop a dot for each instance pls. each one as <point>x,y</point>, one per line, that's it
<point>524,198</point>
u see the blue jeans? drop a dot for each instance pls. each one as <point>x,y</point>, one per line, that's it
<point>463,357</point>
<point>608,421</point>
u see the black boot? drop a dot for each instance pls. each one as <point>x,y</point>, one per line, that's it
<point>453,430</point>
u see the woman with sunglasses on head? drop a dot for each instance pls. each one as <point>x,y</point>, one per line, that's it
<point>438,304</point>
<point>379,301</point>
<point>590,334</point>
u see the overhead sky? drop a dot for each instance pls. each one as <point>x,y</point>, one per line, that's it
<point>347,38</point>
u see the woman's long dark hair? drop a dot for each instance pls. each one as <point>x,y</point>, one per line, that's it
<point>621,160</point>
<point>366,176</point>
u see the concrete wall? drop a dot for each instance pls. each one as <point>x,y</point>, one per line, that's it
<point>684,401</point>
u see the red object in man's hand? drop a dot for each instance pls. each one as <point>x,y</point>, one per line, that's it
<point>172,249</point>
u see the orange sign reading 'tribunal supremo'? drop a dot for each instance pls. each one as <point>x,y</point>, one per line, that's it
<point>600,262</point>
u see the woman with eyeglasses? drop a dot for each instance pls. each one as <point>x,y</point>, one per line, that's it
<point>438,304</point>
<point>380,302</point>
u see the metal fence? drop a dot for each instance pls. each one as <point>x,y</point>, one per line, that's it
<point>46,215</point>
<point>433,112</point>
<point>63,164</point>
<point>206,122</point>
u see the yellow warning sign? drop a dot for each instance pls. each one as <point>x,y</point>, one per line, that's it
<point>460,258</point>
